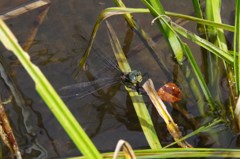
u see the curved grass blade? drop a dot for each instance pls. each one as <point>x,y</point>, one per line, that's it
<point>153,48</point>
<point>170,35</point>
<point>119,10</point>
<point>127,150</point>
<point>138,102</point>
<point>162,111</point>
<point>49,95</point>
<point>201,21</point>
<point>203,43</point>
<point>178,153</point>
<point>206,128</point>
<point>103,15</point>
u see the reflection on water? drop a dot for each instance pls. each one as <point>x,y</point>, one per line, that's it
<point>60,41</point>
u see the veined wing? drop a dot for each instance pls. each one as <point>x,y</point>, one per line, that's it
<point>83,89</point>
<point>107,60</point>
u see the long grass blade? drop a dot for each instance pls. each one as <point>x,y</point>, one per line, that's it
<point>138,102</point>
<point>23,9</point>
<point>203,43</point>
<point>157,11</point>
<point>118,10</point>
<point>179,153</point>
<point>236,44</point>
<point>103,15</point>
<point>201,21</point>
<point>237,59</point>
<point>162,111</point>
<point>206,128</point>
<point>200,78</point>
<point>49,95</point>
<point>217,37</point>
<point>145,37</point>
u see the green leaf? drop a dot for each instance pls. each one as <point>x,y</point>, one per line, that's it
<point>170,35</point>
<point>138,102</point>
<point>49,95</point>
<point>236,44</point>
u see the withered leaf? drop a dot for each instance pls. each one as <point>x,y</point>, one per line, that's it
<point>170,92</point>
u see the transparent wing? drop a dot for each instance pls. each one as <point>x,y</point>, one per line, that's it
<point>108,61</point>
<point>83,89</point>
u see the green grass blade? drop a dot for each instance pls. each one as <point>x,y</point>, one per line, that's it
<point>102,16</point>
<point>138,102</point>
<point>216,17</point>
<point>118,10</point>
<point>153,48</point>
<point>179,153</point>
<point>49,95</point>
<point>199,77</point>
<point>204,43</point>
<point>236,44</point>
<point>213,9</point>
<point>201,21</point>
<point>197,8</point>
<point>206,128</point>
<point>156,10</point>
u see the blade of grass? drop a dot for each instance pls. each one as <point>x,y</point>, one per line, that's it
<point>23,9</point>
<point>147,40</point>
<point>33,31</point>
<point>207,127</point>
<point>49,95</point>
<point>127,150</point>
<point>236,44</point>
<point>103,15</point>
<point>213,9</point>
<point>200,77</point>
<point>174,41</point>
<point>167,28</point>
<point>117,11</point>
<point>203,43</point>
<point>162,111</point>
<point>201,21</point>
<point>179,153</point>
<point>138,102</point>
<point>151,45</point>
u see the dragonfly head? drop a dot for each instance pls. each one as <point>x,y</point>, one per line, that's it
<point>135,77</point>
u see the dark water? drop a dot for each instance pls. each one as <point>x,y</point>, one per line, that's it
<point>60,41</point>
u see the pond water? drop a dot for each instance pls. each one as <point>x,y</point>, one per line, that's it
<point>106,117</point>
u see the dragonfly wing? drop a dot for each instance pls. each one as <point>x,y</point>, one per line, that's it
<point>109,62</point>
<point>85,88</point>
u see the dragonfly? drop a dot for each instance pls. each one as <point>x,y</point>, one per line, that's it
<point>129,79</point>
<point>169,92</point>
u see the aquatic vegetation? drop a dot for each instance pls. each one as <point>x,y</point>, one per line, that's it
<point>170,30</point>
<point>202,83</point>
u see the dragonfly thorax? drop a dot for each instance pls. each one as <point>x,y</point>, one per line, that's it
<point>132,79</point>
